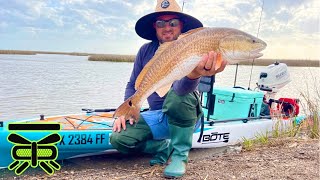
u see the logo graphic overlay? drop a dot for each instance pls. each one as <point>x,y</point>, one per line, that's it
<point>165,4</point>
<point>27,153</point>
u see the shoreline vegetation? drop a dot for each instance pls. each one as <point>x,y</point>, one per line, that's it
<point>22,52</point>
<point>130,58</point>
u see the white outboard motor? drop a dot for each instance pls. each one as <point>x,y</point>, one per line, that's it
<point>274,77</point>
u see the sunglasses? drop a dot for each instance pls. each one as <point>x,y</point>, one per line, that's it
<point>172,23</point>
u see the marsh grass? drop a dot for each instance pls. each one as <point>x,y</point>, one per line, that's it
<point>311,107</point>
<point>131,58</point>
<point>248,144</point>
<point>21,52</point>
<point>289,62</point>
<point>307,128</point>
<point>301,127</point>
<point>17,52</point>
<point>262,138</point>
<point>112,58</point>
<point>259,62</point>
<point>311,123</point>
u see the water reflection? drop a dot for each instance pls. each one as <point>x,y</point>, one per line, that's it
<point>61,84</point>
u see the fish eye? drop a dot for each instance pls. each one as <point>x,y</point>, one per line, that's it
<point>254,41</point>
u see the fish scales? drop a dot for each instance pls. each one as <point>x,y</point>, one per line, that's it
<point>176,59</point>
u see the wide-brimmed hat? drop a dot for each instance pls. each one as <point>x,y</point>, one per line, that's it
<point>144,26</point>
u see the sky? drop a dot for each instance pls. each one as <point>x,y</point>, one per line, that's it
<point>289,27</point>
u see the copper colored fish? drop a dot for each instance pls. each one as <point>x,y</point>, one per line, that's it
<point>176,59</point>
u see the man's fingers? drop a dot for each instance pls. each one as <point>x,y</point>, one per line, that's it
<point>123,123</point>
<point>210,64</point>
<point>120,123</point>
<point>116,125</point>
<point>211,61</point>
<point>203,62</point>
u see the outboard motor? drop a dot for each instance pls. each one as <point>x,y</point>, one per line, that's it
<point>274,77</point>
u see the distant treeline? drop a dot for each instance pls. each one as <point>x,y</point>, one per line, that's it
<point>21,52</point>
<point>112,57</point>
<point>130,58</point>
<point>257,62</point>
<point>289,62</point>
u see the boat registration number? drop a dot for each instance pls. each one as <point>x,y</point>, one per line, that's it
<point>82,139</point>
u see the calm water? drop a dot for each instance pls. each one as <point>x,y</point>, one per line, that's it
<point>31,85</point>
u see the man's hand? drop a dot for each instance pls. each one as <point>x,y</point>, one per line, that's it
<point>207,66</point>
<point>120,123</point>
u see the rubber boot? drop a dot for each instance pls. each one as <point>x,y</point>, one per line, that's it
<point>181,141</point>
<point>161,149</point>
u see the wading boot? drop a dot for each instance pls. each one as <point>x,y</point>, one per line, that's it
<point>181,141</point>
<point>161,149</point>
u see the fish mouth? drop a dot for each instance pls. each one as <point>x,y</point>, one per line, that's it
<point>257,52</point>
<point>257,55</point>
<point>237,56</point>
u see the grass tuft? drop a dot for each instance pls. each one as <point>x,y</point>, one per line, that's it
<point>307,128</point>
<point>112,58</point>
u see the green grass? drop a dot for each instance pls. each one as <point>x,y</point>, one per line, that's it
<point>248,144</point>
<point>312,107</point>
<point>260,139</point>
<point>309,128</point>
<point>130,58</point>
<point>112,58</point>
<point>22,52</point>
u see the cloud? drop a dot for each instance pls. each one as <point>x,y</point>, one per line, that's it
<point>291,29</point>
<point>35,31</point>
<point>143,8</point>
<point>27,13</point>
<point>83,29</point>
<point>3,24</point>
<point>93,16</point>
<point>72,2</point>
<point>292,26</point>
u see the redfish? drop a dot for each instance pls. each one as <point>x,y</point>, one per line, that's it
<point>176,59</point>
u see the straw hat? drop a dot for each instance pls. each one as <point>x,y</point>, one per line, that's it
<point>144,26</point>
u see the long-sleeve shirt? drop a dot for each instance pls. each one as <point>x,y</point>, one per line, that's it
<point>146,52</point>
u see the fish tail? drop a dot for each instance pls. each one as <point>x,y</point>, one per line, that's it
<point>128,109</point>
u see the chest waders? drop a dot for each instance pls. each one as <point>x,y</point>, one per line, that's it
<point>183,112</point>
<point>138,138</point>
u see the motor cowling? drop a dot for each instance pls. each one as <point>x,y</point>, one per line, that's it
<point>274,77</point>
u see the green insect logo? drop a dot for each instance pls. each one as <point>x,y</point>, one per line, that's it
<point>26,153</point>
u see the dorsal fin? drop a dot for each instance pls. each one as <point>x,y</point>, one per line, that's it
<point>146,68</point>
<point>162,48</point>
<point>190,32</point>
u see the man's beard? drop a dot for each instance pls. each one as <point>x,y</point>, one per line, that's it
<point>162,40</point>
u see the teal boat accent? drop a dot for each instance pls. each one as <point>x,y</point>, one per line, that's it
<point>232,103</point>
<point>234,114</point>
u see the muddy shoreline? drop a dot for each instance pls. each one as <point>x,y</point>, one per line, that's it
<point>281,159</point>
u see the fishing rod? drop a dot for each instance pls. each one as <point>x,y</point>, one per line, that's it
<point>182,5</point>
<point>87,110</point>
<point>257,36</point>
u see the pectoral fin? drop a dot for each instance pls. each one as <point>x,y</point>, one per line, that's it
<point>163,90</point>
<point>219,61</point>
